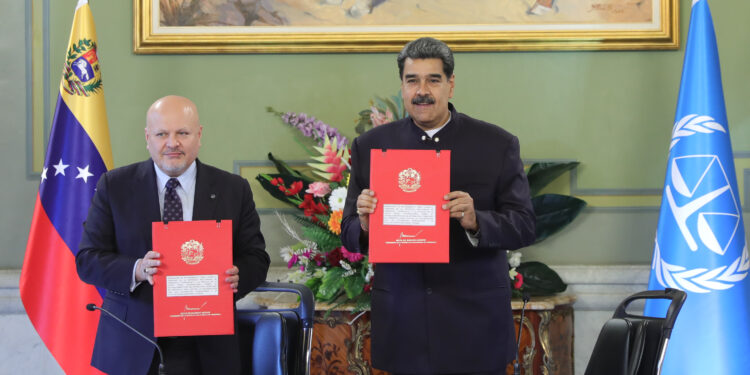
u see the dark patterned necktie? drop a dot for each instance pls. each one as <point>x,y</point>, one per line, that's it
<point>172,202</point>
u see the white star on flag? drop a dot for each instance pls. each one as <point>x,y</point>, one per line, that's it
<point>44,174</point>
<point>84,174</point>
<point>60,168</point>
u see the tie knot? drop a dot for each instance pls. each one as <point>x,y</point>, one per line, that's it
<point>173,183</point>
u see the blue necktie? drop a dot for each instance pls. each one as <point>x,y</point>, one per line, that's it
<point>172,202</point>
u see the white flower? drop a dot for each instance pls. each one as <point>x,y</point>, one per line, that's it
<point>514,260</point>
<point>345,265</point>
<point>370,273</point>
<point>337,199</point>
<point>297,277</point>
<point>348,268</point>
<point>512,273</point>
<point>320,272</point>
<point>286,253</point>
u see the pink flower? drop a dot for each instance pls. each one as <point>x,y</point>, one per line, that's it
<point>336,172</point>
<point>292,261</point>
<point>351,257</point>
<point>318,189</point>
<point>519,281</point>
<point>377,118</point>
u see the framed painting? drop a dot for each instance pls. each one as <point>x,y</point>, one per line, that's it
<point>306,26</point>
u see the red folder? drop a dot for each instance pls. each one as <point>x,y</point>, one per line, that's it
<point>190,295</point>
<point>409,224</point>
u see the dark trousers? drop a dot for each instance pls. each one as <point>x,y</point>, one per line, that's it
<point>181,356</point>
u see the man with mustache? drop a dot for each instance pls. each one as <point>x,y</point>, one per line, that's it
<point>116,255</point>
<point>452,318</point>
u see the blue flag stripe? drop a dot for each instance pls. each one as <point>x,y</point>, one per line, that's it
<point>66,197</point>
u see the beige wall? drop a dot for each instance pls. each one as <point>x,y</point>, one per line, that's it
<point>612,111</point>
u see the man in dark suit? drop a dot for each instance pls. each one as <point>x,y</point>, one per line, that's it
<point>115,251</point>
<point>456,317</point>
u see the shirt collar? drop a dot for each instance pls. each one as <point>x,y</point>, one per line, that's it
<point>187,178</point>
<point>432,132</point>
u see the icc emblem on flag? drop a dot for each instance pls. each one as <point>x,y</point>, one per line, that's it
<point>81,75</point>
<point>705,215</point>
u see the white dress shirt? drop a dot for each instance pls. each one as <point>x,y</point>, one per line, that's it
<point>186,192</point>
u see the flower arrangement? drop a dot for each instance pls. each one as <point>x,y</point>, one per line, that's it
<point>381,111</point>
<point>336,275</point>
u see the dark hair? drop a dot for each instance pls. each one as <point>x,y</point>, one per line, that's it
<point>426,48</point>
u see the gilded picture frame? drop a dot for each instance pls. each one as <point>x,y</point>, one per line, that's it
<point>322,26</point>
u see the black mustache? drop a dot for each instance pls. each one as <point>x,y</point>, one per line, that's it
<point>423,99</point>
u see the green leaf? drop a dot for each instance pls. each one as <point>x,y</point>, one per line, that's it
<point>332,282</point>
<point>554,212</point>
<point>394,108</point>
<point>362,303</point>
<point>305,221</point>
<point>540,280</point>
<point>541,174</point>
<point>353,285</point>
<point>380,103</point>
<point>325,239</point>
<point>265,181</point>
<point>400,110</point>
<point>314,284</point>
<point>284,168</point>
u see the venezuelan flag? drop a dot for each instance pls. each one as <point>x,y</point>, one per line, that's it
<point>77,154</point>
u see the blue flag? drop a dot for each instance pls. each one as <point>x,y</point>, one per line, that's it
<point>700,240</point>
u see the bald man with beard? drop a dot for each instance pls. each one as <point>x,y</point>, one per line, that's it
<point>115,252</point>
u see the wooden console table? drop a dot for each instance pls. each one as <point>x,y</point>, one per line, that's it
<point>341,341</point>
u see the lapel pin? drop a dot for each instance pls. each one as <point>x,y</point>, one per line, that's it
<point>213,196</point>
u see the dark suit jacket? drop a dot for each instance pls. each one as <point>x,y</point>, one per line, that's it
<point>455,317</point>
<point>118,231</point>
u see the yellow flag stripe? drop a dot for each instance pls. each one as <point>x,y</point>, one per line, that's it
<point>88,107</point>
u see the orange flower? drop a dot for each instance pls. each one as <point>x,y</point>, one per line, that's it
<point>334,223</point>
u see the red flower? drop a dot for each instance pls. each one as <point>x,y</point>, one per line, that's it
<point>519,281</point>
<point>319,259</point>
<point>367,287</point>
<point>312,208</point>
<point>294,189</point>
<point>334,257</point>
<point>277,181</point>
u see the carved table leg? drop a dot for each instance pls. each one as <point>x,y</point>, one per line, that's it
<point>527,359</point>
<point>548,366</point>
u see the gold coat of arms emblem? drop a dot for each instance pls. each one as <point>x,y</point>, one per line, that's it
<point>81,74</point>
<point>409,180</point>
<point>192,252</point>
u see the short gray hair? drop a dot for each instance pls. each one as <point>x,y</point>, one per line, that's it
<point>426,48</point>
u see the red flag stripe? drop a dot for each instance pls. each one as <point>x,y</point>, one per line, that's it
<point>53,286</point>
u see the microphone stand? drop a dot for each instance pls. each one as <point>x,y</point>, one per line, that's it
<point>162,368</point>
<point>517,365</point>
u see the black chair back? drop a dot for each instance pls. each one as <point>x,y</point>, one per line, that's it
<point>277,341</point>
<point>631,344</point>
